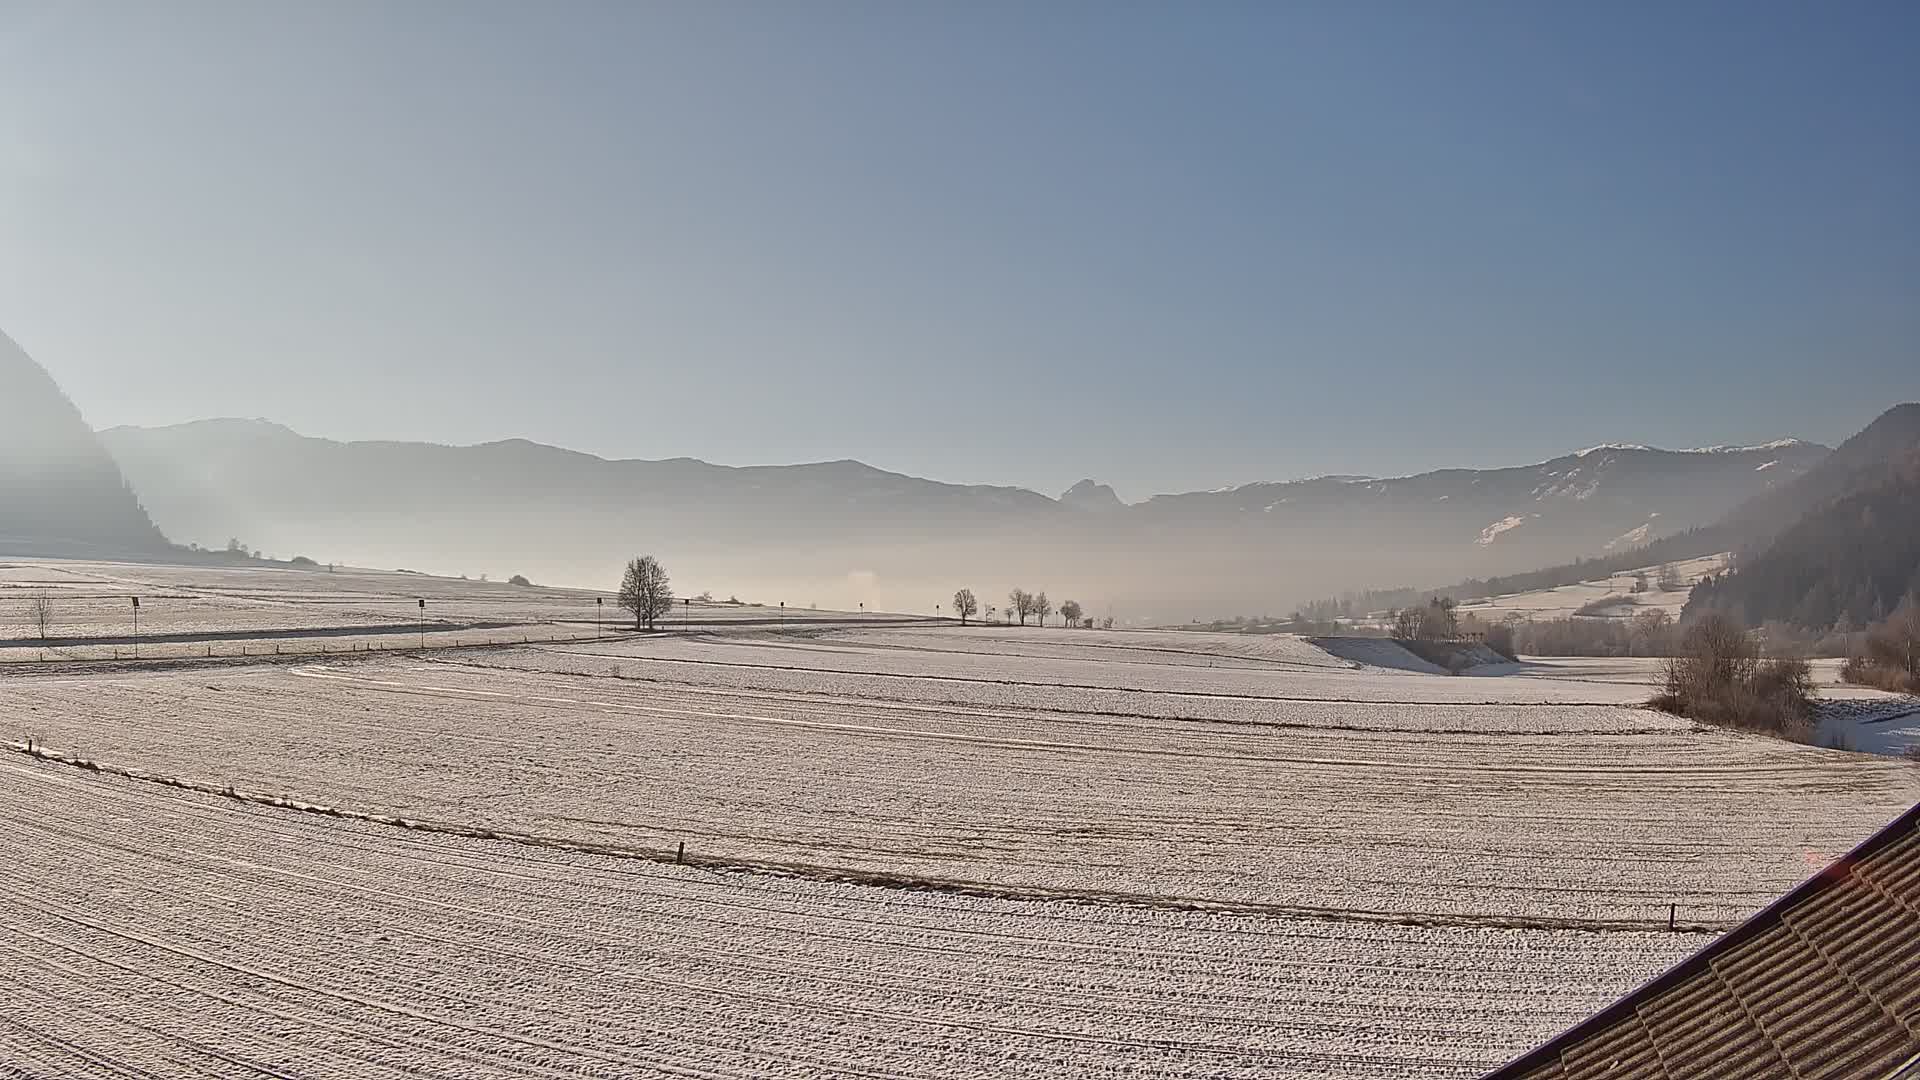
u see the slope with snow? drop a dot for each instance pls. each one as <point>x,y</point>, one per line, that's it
<point>1566,600</point>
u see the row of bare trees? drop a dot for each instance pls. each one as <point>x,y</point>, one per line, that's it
<point>1021,604</point>
<point>1436,620</point>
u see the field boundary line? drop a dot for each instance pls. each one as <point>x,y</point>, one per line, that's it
<point>876,878</point>
<point>1032,711</point>
<point>1206,694</point>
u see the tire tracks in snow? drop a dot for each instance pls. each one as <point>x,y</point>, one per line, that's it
<point>814,872</point>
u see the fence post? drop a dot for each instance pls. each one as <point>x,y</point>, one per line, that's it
<point>1672,910</point>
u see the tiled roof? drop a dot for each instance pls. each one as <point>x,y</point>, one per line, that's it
<point>1822,985</point>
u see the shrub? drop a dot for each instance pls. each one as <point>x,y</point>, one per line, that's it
<point>519,579</point>
<point>1715,654</point>
<point>1784,678</point>
<point>1718,678</point>
<point>1890,656</point>
<point>1860,671</point>
<point>1600,608</point>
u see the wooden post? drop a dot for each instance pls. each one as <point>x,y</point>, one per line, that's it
<point>1672,910</point>
<point>680,856</point>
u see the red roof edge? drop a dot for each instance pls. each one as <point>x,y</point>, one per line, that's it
<point>1551,1049</point>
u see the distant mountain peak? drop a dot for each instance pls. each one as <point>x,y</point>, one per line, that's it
<point>1090,495</point>
<point>1777,444</point>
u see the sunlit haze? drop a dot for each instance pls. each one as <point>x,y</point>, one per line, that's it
<point>1169,248</point>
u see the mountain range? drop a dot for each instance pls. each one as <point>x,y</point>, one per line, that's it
<point>840,532</point>
<point>1821,534</point>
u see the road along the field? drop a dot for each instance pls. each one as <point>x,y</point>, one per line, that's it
<point>150,931</point>
<point>218,611</point>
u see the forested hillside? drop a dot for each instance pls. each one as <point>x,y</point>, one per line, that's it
<point>60,492</point>
<point>1838,545</point>
<point>1846,564</point>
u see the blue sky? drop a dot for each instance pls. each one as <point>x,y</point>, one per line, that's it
<point>1167,246</point>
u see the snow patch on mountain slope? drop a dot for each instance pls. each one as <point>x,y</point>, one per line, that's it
<point>1506,524</point>
<point>1634,537</point>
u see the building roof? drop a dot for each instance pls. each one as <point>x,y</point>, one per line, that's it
<point>1824,984</point>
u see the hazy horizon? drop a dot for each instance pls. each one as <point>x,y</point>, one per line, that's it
<point>987,245</point>
<point>1433,466</point>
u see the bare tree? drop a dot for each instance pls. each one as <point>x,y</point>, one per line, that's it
<point>1717,677</point>
<point>1020,602</point>
<point>966,605</point>
<point>1407,623</point>
<point>645,591</point>
<point>40,610</point>
<point>1070,611</point>
<point>1042,607</point>
<point>1669,579</point>
<point>1894,643</point>
<point>1651,633</point>
<point>1715,653</point>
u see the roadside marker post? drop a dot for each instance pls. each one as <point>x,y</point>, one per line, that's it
<point>136,627</point>
<point>423,624</point>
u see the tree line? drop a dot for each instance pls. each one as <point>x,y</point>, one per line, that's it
<point>1023,605</point>
<point>646,592</point>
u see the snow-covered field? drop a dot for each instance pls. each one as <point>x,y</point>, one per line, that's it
<point>156,932</point>
<point>919,850</point>
<point>216,611</point>
<point>1566,600</point>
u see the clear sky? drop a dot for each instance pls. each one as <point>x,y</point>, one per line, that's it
<point>1170,246</point>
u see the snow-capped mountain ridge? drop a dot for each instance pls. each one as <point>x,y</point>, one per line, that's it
<point>409,504</point>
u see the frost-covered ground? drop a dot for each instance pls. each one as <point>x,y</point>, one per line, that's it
<point>1424,874</point>
<point>1280,780</point>
<point>224,611</point>
<point>155,932</point>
